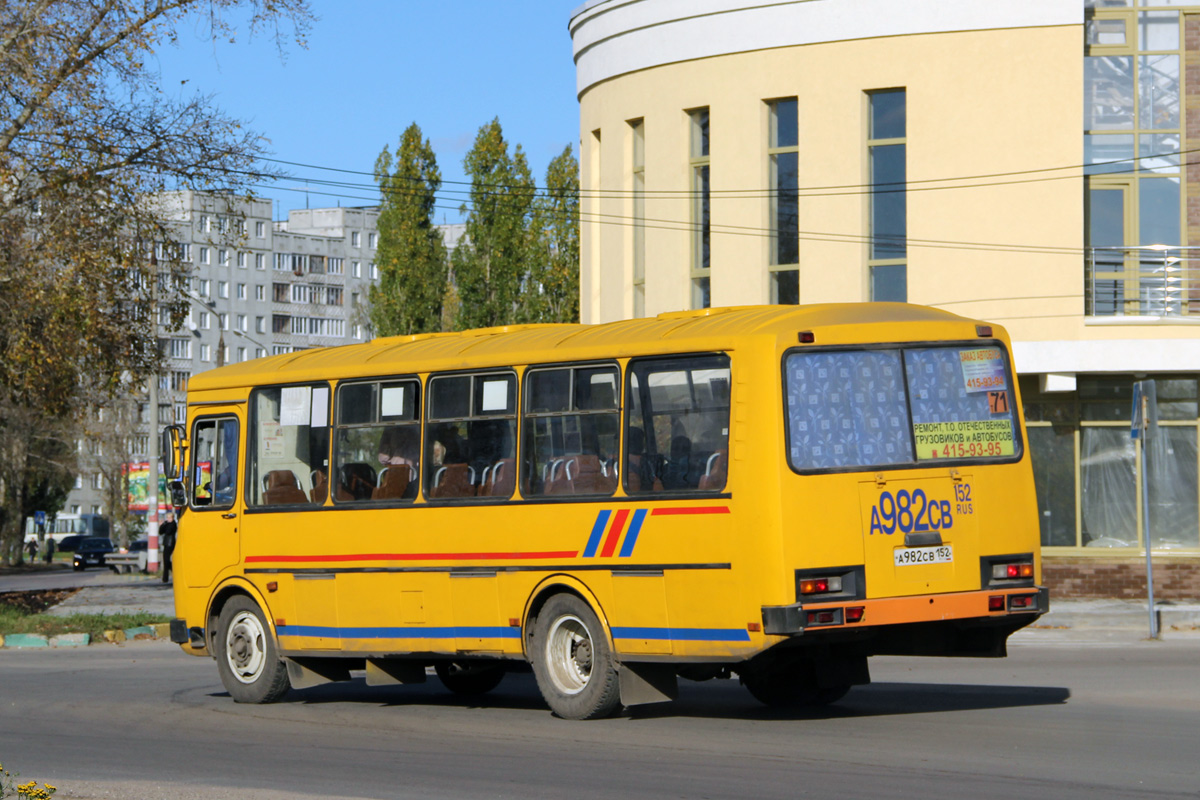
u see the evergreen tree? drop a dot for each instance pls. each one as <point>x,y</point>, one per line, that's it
<point>552,282</point>
<point>489,262</point>
<point>411,255</point>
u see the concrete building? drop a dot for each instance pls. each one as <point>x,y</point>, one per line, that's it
<point>1025,162</point>
<point>257,288</point>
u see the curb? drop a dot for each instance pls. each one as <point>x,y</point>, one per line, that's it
<point>64,640</point>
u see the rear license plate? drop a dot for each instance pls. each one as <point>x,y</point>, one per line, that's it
<point>938,554</point>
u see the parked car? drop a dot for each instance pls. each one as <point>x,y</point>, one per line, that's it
<point>91,550</point>
<point>67,544</point>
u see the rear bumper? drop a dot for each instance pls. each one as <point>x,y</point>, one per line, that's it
<point>962,607</point>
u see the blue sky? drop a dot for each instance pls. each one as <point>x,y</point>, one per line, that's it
<point>374,66</point>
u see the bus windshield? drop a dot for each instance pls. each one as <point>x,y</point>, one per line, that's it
<point>863,409</point>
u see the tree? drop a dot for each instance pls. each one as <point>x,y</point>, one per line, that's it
<point>411,256</point>
<point>489,262</point>
<point>552,282</point>
<point>86,136</point>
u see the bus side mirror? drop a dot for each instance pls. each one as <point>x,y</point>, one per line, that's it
<point>178,494</point>
<point>172,451</point>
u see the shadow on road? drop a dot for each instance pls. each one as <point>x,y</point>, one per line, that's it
<point>710,700</point>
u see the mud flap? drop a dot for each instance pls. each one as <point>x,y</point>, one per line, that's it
<point>390,671</point>
<point>306,672</point>
<point>647,683</point>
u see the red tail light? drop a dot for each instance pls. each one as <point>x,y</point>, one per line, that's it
<point>855,613</point>
<point>820,585</point>
<point>996,602</point>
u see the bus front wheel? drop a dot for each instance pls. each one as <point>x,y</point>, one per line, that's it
<point>572,661</point>
<point>247,657</point>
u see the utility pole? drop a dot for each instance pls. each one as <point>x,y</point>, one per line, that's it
<point>152,443</point>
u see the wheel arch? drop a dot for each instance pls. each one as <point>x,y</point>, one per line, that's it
<point>229,589</point>
<point>547,588</point>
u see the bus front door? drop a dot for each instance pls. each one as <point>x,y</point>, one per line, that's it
<point>209,540</point>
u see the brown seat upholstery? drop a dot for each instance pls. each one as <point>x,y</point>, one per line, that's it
<point>393,483</point>
<point>501,479</point>
<point>280,487</point>
<point>320,484</point>
<point>453,480</point>
<point>715,472</point>
<point>581,474</point>
<point>357,482</point>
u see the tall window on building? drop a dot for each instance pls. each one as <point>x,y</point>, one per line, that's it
<point>783,149</point>
<point>701,210</point>
<point>888,250</point>
<point>1132,141</point>
<point>637,129</point>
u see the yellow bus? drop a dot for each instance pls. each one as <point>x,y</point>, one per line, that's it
<point>772,493</point>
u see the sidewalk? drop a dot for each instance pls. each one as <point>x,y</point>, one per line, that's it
<point>1119,616</point>
<point>150,595</point>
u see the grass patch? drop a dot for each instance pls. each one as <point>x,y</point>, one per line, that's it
<point>20,612</point>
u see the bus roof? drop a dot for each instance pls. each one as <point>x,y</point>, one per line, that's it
<point>676,331</point>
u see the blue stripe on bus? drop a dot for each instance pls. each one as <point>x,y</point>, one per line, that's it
<point>597,533</point>
<point>631,537</point>
<point>683,634</point>
<point>452,632</point>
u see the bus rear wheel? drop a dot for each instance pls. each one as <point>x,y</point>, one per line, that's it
<point>247,657</point>
<point>572,660</point>
<point>783,688</point>
<point>470,677</point>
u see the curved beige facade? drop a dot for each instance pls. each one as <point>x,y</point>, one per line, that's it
<point>996,218</point>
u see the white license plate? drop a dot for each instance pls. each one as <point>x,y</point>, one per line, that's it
<point>938,554</point>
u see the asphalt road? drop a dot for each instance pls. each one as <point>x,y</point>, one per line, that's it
<point>1059,718</point>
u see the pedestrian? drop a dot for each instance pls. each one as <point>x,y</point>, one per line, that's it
<point>49,549</point>
<point>166,536</point>
<point>31,548</point>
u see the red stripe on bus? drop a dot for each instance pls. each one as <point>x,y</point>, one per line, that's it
<point>413,557</point>
<point>658,512</point>
<point>614,533</point>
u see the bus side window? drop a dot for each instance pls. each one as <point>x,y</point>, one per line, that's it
<point>677,425</point>
<point>571,423</point>
<point>470,439</point>
<point>288,449</point>
<point>378,441</point>
<point>214,463</point>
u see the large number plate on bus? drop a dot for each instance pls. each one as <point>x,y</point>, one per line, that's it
<point>937,554</point>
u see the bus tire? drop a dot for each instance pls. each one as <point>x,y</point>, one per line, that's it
<point>572,661</point>
<point>247,657</point>
<point>470,678</point>
<point>785,689</point>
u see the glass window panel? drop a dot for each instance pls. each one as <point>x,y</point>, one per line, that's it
<point>450,398</point>
<point>702,257</point>
<point>785,287</point>
<point>1158,30</point>
<point>847,409</point>
<point>1108,493</point>
<point>1158,211</point>
<point>1158,92</point>
<point>1172,477</point>
<point>889,202</point>
<point>1176,398</point>
<point>889,283</point>
<point>1106,219</point>
<point>784,123</point>
<point>1159,152</point>
<point>1105,31</point>
<point>287,463</point>
<point>549,391</point>
<point>701,294</point>
<point>356,403</point>
<point>495,394</point>
<point>596,389</point>
<point>1052,450</point>
<point>1109,3</point>
<point>785,180</point>
<point>1106,399</point>
<point>888,110</point>
<point>961,402</point>
<point>398,401</point>
<point>1100,151</point>
<point>1108,93</point>
<point>700,133</point>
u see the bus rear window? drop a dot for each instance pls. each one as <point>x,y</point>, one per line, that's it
<point>861,409</point>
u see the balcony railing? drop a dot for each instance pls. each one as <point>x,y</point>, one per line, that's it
<point>1151,281</point>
